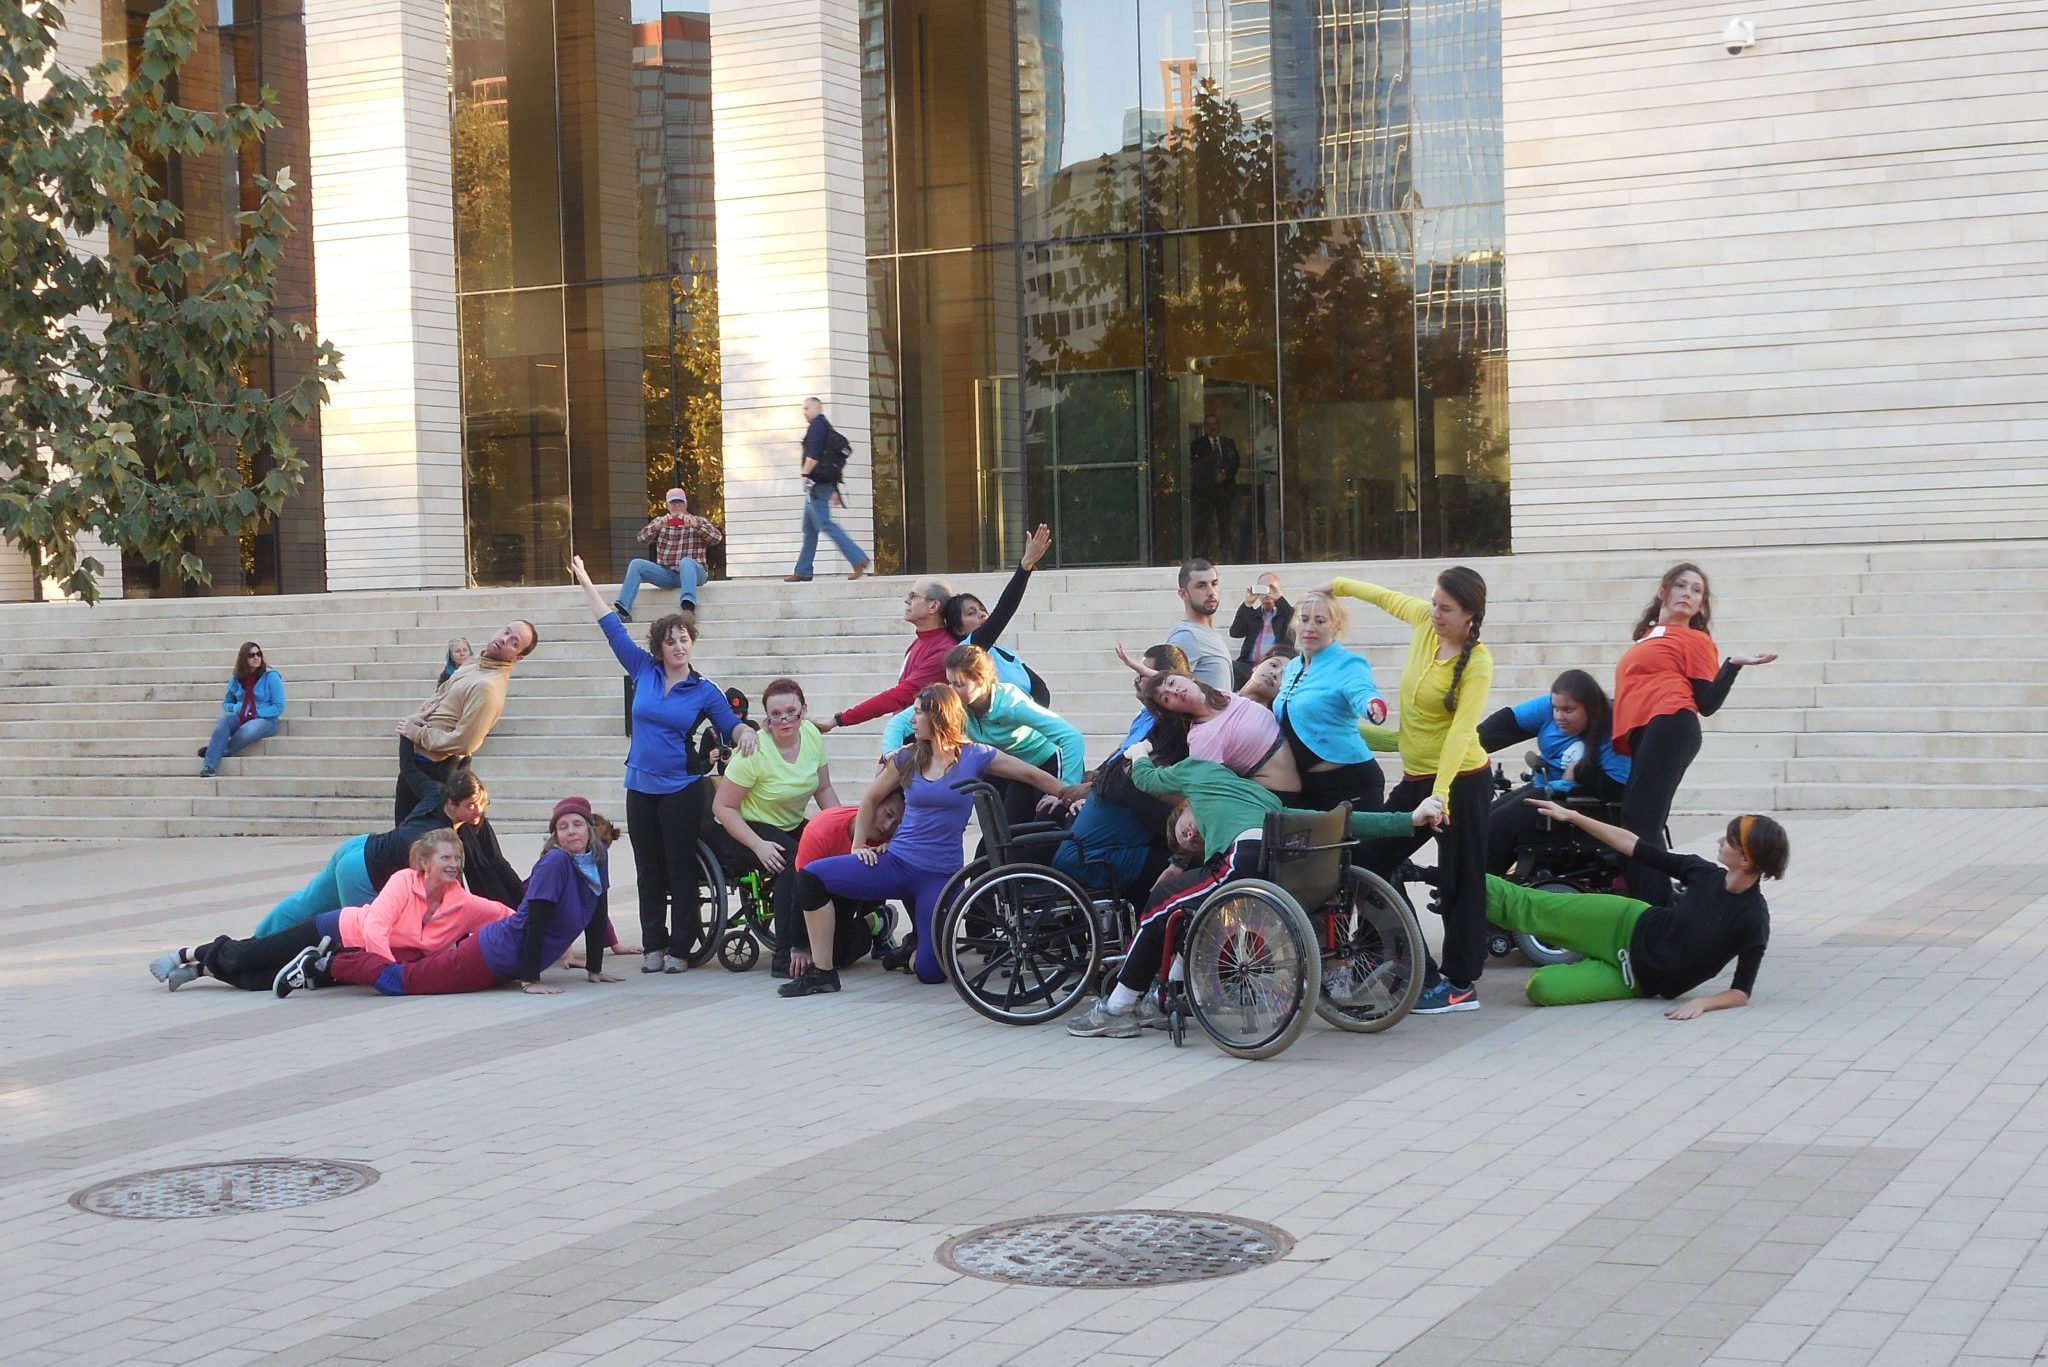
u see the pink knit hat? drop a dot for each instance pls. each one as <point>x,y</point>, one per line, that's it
<point>569,806</point>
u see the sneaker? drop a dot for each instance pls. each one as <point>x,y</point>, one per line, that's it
<point>813,981</point>
<point>676,964</point>
<point>1150,1014</point>
<point>182,974</point>
<point>653,961</point>
<point>624,616</point>
<point>200,753</point>
<point>208,771</point>
<point>898,959</point>
<point>1354,982</point>
<point>162,965</point>
<point>1446,997</point>
<point>1097,1023</point>
<point>298,972</point>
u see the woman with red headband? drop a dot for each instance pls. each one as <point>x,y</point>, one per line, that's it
<point>1634,949</point>
<point>1671,677</point>
<point>565,898</point>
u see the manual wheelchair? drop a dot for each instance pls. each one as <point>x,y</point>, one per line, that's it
<point>1022,942</point>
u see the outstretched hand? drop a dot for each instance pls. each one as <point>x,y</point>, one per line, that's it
<point>1555,811</point>
<point>1036,546</point>
<point>1745,661</point>
<point>1685,1011</point>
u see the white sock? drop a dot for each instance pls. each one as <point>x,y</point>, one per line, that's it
<point>1176,972</point>
<point>1122,1000</point>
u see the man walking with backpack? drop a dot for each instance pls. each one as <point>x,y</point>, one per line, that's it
<point>824,469</point>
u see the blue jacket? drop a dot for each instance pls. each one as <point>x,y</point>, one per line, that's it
<point>658,761</point>
<point>269,695</point>
<point>1321,704</point>
<point>1559,751</point>
<point>1015,725</point>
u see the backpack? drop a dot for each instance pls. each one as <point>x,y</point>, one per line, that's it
<point>831,466</point>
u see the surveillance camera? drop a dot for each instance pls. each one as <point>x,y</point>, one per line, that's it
<point>1739,37</point>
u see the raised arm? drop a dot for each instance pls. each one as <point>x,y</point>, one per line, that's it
<point>896,734</point>
<point>886,781</point>
<point>1614,837</point>
<point>1413,611</point>
<point>595,600</point>
<point>991,631</point>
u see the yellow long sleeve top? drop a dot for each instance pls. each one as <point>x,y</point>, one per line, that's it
<point>1433,740</point>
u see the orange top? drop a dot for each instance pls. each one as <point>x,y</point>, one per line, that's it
<point>1654,678</point>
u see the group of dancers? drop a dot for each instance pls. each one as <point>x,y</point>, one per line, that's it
<point>1173,812</point>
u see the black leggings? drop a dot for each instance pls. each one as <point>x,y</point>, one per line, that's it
<point>252,964</point>
<point>1510,819</point>
<point>1460,862</point>
<point>1661,751</point>
<point>738,859</point>
<point>1362,785</point>
<point>664,829</point>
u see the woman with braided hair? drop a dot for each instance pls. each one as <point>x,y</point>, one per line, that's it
<point>1444,684</point>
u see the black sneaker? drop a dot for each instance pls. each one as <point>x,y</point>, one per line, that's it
<point>813,981</point>
<point>298,972</point>
<point>624,616</point>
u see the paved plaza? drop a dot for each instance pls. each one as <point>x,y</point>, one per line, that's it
<point>691,1170</point>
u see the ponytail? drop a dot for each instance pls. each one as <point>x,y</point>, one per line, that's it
<point>1458,670</point>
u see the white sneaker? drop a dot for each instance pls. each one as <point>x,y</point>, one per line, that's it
<point>652,961</point>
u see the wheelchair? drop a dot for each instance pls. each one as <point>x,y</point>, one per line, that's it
<point>1022,942</point>
<point>1559,858</point>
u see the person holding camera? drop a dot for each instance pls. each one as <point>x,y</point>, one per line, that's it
<point>824,470</point>
<point>1265,619</point>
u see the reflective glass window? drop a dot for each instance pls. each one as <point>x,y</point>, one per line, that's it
<point>515,437</point>
<point>1079,118</point>
<point>1207,113</point>
<point>953,123</point>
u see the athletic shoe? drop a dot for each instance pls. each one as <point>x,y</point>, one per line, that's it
<point>1097,1023</point>
<point>898,959</point>
<point>1150,1014</point>
<point>813,981</point>
<point>160,967</point>
<point>676,964</point>
<point>1353,982</point>
<point>1445,998</point>
<point>624,616</point>
<point>182,974</point>
<point>652,961</point>
<point>208,771</point>
<point>296,973</point>
<point>200,753</point>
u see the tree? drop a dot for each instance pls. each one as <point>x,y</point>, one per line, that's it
<point>126,402</point>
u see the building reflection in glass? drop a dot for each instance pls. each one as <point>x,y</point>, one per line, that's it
<point>585,259</point>
<point>1216,277</point>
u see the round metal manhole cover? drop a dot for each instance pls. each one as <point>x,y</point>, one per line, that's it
<point>238,1188</point>
<point>1116,1248</point>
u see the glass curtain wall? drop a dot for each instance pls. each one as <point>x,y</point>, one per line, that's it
<point>245,45</point>
<point>586,277</point>
<point>1215,277</point>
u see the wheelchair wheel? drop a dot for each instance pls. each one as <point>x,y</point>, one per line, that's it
<point>1536,951</point>
<point>712,896</point>
<point>738,951</point>
<point>1374,956</point>
<point>1020,944</point>
<point>1499,943</point>
<point>1253,971</point>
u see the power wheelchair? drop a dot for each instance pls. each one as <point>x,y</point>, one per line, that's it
<point>1023,943</point>
<point>1559,858</point>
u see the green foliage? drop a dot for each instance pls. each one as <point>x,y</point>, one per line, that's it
<point>127,406</point>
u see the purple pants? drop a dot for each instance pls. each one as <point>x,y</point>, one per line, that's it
<point>844,875</point>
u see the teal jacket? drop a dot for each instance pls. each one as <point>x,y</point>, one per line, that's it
<point>269,695</point>
<point>1015,725</point>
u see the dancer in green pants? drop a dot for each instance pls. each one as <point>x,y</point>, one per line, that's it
<point>1636,950</point>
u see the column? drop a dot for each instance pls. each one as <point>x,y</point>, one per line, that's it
<point>384,254</point>
<point>792,272</point>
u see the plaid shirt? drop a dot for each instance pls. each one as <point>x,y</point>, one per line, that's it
<point>692,536</point>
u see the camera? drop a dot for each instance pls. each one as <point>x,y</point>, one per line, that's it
<point>1739,37</point>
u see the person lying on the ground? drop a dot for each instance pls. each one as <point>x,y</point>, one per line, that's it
<point>423,908</point>
<point>565,898</point>
<point>1633,949</point>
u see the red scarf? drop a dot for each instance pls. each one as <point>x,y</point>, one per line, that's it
<point>248,712</point>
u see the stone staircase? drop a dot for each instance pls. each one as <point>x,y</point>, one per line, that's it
<point>1910,676</point>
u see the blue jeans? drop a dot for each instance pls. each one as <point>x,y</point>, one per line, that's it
<point>818,518</point>
<point>229,739</point>
<point>687,576</point>
<point>345,882</point>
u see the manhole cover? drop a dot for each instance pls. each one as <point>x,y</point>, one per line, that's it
<point>238,1188</point>
<point>1115,1248</point>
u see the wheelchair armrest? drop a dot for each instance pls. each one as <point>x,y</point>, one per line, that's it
<point>1045,836</point>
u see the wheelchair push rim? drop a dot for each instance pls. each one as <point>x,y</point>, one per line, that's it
<point>1020,944</point>
<point>707,925</point>
<point>1253,970</point>
<point>1373,956</point>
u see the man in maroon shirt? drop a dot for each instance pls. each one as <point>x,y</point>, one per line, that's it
<point>924,607</point>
